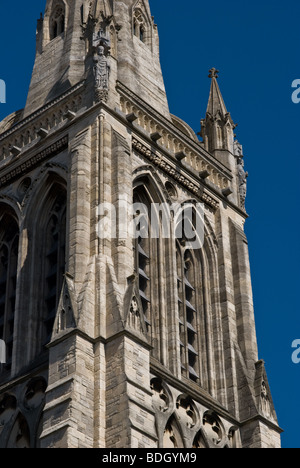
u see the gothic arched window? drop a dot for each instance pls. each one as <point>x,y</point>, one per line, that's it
<point>140,26</point>
<point>54,260</point>
<point>188,319</point>
<point>143,252</point>
<point>9,243</point>
<point>57,21</point>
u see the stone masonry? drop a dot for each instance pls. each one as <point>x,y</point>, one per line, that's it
<point>112,341</point>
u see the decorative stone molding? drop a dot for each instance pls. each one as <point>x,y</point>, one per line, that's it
<point>51,116</point>
<point>27,166</point>
<point>160,396</point>
<point>184,422</point>
<point>213,428</point>
<point>186,411</point>
<point>172,138</point>
<point>20,413</point>
<point>66,316</point>
<point>159,161</point>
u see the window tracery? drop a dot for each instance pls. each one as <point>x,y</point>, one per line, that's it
<point>57,21</point>
<point>140,26</point>
<point>54,262</point>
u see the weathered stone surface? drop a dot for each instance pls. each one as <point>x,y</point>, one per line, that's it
<point>112,341</point>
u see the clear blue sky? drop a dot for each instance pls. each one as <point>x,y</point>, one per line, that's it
<point>255,45</point>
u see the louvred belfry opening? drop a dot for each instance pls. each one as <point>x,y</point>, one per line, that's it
<point>9,244</point>
<point>54,266</point>
<point>187,314</point>
<point>143,252</point>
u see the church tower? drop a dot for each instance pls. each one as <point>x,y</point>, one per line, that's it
<point>126,304</point>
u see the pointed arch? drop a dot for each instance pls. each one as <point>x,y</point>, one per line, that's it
<point>149,254</point>
<point>57,19</point>
<point>47,173</point>
<point>141,23</point>
<point>214,429</point>
<point>20,434</point>
<point>47,227</point>
<point>172,437</point>
<point>147,175</point>
<point>200,324</point>
<point>190,292</point>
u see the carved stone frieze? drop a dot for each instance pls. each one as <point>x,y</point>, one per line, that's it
<point>183,422</point>
<point>159,161</point>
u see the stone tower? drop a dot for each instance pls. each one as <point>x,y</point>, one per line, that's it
<point>117,340</point>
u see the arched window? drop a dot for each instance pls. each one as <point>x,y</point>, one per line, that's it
<point>54,236</point>
<point>9,242</point>
<point>57,21</point>
<point>188,315</point>
<point>139,26</point>
<point>143,252</point>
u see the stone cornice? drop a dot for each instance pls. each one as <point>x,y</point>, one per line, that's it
<point>23,166</point>
<point>123,90</point>
<point>263,420</point>
<point>159,161</point>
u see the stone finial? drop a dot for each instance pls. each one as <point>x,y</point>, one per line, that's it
<point>213,73</point>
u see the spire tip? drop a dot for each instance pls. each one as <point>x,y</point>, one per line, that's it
<point>213,73</point>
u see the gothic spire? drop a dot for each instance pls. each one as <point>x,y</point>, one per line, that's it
<point>217,129</point>
<point>215,102</point>
<point>71,37</point>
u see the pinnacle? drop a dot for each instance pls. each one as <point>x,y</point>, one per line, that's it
<point>213,73</point>
<point>216,102</point>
